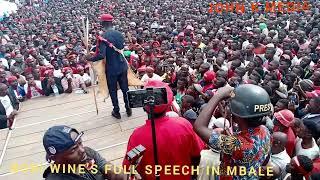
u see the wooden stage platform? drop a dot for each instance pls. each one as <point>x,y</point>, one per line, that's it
<point>23,145</point>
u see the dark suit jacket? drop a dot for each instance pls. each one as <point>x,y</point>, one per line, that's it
<point>115,63</point>
<point>15,104</point>
<point>14,100</point>
<point>47,91</point>
<point>3,117</point>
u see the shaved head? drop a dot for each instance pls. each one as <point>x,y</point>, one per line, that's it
<point>279,142</point>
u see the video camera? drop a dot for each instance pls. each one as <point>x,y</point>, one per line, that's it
<point>150,96</point>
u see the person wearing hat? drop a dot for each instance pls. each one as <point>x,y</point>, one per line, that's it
<point>185,145</point>
<point>16,89</point>
<point>110,47</point>
<point>282,123</point>
<point>64,147</point>
<point>207,82</point>
<point>51,84</point>
<point>72,82</point>
<point>250,144</point>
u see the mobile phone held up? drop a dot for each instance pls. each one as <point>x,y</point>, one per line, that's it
<point>140,97</point>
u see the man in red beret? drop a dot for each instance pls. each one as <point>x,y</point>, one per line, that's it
<point>110,46</point>
<point>51,84</point>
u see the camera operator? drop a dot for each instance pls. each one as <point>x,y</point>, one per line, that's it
<point>177,143</point>
<point>64,147</point>
<point>250,145</point>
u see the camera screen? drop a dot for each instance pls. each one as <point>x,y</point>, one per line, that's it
<point>138,98</point>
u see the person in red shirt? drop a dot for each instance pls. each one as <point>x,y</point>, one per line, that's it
<point>258,48</point>
<point>177,143</point>
<point>282,123</point>
<point>207,82</point>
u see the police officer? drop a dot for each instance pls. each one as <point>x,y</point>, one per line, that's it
<point>109,46</point>
<point>248,146</point>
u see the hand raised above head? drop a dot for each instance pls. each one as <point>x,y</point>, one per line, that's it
<point>225,92</point>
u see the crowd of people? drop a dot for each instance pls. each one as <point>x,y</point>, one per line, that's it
<point>184,45</point>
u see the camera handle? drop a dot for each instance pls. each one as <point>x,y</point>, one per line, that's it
<point>150,101</point>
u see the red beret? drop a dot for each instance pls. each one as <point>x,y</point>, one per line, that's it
<point>284,117</point>
<point>65,69</point>
<point>209,76</point>
<point>106,17</point>
<point>11,79</point>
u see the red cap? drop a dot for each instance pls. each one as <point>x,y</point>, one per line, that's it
<point>284,117</point>
<point>106,17</point>
<point>209,76</point>
<point>65,69</point>
<point>11,79</point>
<point>159,84</point>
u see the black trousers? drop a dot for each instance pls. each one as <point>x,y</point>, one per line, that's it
<point>113,80</point>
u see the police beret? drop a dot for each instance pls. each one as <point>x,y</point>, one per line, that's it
<point>106,17</point>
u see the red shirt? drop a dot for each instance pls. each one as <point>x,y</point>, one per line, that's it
<point>177,143</point>
<point>314,93</point>
<point>291,141</point>
<point>316,166</point>
<point>230,73</point>
<point>208,87</point>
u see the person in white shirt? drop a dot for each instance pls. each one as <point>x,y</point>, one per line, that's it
<point>85,76</point>
<point>305,143</point>
<point>279,155</point>
<point>57,71</point>
<point>7,112</point>
<point>150,75</point>
<point>33,88</point>
<point>5,100</point>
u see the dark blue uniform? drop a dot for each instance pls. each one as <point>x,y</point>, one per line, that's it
<point>116,65</point>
